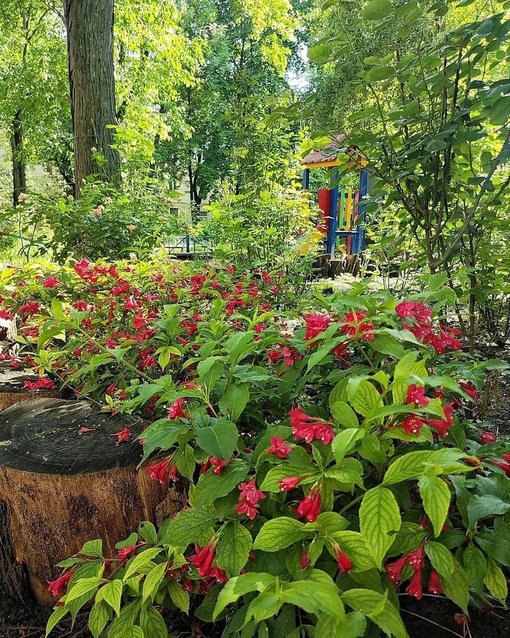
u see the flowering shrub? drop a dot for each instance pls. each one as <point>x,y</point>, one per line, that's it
<point>324,452</point>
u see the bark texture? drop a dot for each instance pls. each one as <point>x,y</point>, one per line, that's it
<point>89,25</point>
<point>19,169</point>
<point>12,387</point>
<point>60,488</point>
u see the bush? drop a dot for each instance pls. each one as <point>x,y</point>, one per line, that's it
<point>326,453</point>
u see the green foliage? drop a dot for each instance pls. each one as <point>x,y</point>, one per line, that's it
<point>308,507</point>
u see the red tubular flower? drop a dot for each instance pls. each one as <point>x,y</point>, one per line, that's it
<point>355,327</point>
<point>416,396</point>
<point>412,424</point>
<point>305,559</point>
<point>394,570</point>
<point>505,466</point>
<point>470,389</point>
<point>415,588</point>
<point>310,428</point>
<point>434,586</point>
<point>175,411</point>
<point>50,282</point>
<point>40,384</point>
<point>487,437</point>
<point>125,552</point>
<point>279,447</point>
<point>248,498</point>
<point>57,588</point>
<point>415,310</point>
<point>159,471</point>
<point>217,464</point>
<point>290,483</point>
<point>203,558</point>
<point>344,562</point>
<point>442,425</point>
<point>310,506</point>
<point>416,558</point>
<point>123,435</point>
<point>315,324</point>
<point>29,308</point>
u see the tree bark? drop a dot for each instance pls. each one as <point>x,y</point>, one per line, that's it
<point>19,169</point>
<point>89,25</point>
<point>64,481</point>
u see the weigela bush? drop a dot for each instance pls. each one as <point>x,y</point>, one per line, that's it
<point>324,450</point>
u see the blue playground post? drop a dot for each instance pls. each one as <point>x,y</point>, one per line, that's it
<point>359,237</point>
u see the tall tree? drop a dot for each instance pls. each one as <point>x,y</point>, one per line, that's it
<point>89,25</point>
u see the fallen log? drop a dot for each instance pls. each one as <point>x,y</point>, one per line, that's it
<point>64,480</point>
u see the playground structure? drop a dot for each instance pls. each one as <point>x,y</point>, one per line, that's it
<point>342,209</point>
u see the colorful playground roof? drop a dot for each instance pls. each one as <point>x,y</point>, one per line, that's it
<point>328,155</point>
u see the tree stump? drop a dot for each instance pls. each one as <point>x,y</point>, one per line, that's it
<point>12,386</point>
<point>63,481</point>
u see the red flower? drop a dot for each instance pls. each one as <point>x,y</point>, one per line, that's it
<point>203,558</point>
<point>57,588</point>
<point>305,560</point>
<point>4,314</point>
<point>40,384</point>
<point>175,411</point>
<point>504,465</point>
<point>290,483</point>
<point>159,471</point>
<point>279,448</point>
<point>487,437</point>
<point>315,324</point>
<point>416,396</point>
<point>355,327</point>
<point>416,558</point>
<point>123,435</point>
<point>344,562</point>
<point>310,506</point>
<point>394,570</point>
<point>470,390</point>
<point>412,424</point>
<point>415,589</point>
<point>218,465</point>
<point>125,552</point>
<point>442,425</point>
<point>310,428</point>
<point>434,586</point>
<point>30,308</point>
<point>50,282</point>
<point>248,498</point>
<point>414,309</point>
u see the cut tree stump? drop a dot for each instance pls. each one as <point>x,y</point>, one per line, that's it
<point>12,386</point>
<point>63,481</point>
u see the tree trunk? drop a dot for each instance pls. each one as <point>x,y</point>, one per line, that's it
<point>12,387</point>
<point>19,169</point>
<point>63,481</point>
<point>89,25</point>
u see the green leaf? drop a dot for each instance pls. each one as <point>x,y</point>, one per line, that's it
<point>93,548</point>
<point>378,608</point>
<point>339,394</point>
<point>271,483</point>
<point>218,440</point>
<point>233,548</point>
<point>483,506</point>
<point>356,548</point>
<point>111,593</point>
<point>279,533</point>
<point>385,343</point>
<point>352,626</point>
<point>379,519</point>
<point>436,500</point>
<point>344,414</point>
<point>98,617</point>
<point>377,10</point>
<point>440,557</point>
<point>55,618</point>
<point>496,581</point>
<point>189,526</point>
<point>122,625</point>
<point>378,74</point>
<point>412,465</point>
<point>315,597</point>
<point>153,581</point>
<point>475,565</point>
<point>238,344</point>
<point>265,605</point>
<point>364,398</point>
<point>456,586</point>
<point>179,597</point>
<point>241,585</point>
<point>320,53</point>
<point>141,561</point>
<point>83,587</point>
<point>345,442</point>
<point>234,401</point>
<point>348,471</point>
<point>212,486</point>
